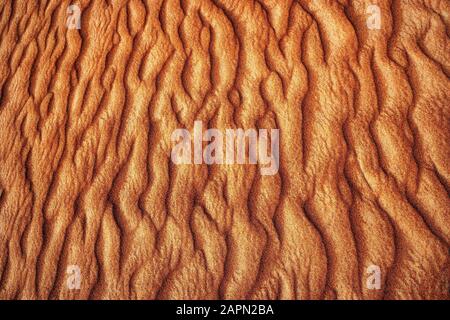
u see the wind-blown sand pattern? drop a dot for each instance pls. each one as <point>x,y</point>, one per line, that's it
<point>86,178</point>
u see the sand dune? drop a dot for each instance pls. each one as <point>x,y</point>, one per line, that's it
<point>92,207</point>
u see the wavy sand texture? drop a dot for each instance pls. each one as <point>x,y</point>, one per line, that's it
<point>86,178</point>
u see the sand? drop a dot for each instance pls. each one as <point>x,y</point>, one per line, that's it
<point>92,207</point>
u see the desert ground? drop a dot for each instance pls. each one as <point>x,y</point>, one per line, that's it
<point>92,206</point>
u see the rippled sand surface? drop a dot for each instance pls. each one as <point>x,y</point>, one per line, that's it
<point>86,177</point>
